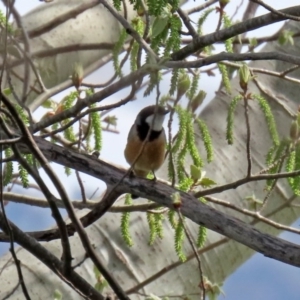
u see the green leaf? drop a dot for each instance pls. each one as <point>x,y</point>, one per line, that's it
<point>49,103</point>
<point>285,37</point>
<point>207,182</point>
<point>159,25</point>
<point>101,282</point>
<point>6,91</point>
<point>57,295</point>
<point>195,173</point>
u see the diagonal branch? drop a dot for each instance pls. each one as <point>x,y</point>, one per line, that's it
<point>191,207</point>
<point>81,286</point>
<point>222,35</point>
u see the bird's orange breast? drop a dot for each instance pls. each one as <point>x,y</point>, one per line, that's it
<point>152,156</point>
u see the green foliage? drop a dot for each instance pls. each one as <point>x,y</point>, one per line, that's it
<point>161,22</point>
<point>265,107</point>
<point>69,100</point>
<point>230,118</point>
<point>30,159</point>
<point>158,225</point>
<point>125,223</point>
<point>172,218</point>
<point>68,171</point>
<point>229,42</point>
<point>4,23</point>
<point>116,51</point>
<point>174,81</point>
<point>202,232</point>
<point>270,155</point>
<point>184,144</point>
<point>138,25</point>
<point>202,19</point>
<point>180,160</point>
<point>181,134</point>
<point>290,166</point>
<point>171,170</point>
<point>155,77</point>
<point>8,171</point>
<point>22,113</point>
<point>174,4</point>
<point>101,282</point>
<point>158,40</point>
<point>206,182</point>
<point>191,142</point>
<point>49,103</point>
<point>213,290</point>
<point>195,173</point>
<point>164,99</point>
<point>286,37</point>
<point>184,83</point>
<point>174,40</point>
<point>179,239</point>
<point>57,295</point>
<point>194,86</point>
<point>152,227</point>
<point>185,184</point>
<point>206,139</point>
<point>196,102</point>
<point>277,154</point>
<point>155,8</point>
<point>117,4</point>
<point>23,176</point>
<point>67,103</point>
<point>97,129</point>
<point>296,183</point>
<point>225,78</point>
<point>137,4</point>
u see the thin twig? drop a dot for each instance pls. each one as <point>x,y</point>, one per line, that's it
<point>248,141</point>
<point>200,7</point>
<point>277,12</point>
<point>187,22</point>
<point>129,29</point>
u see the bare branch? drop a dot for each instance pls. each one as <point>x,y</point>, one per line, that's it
<point>222,35</point>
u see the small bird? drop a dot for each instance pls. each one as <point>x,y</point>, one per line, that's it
<point>153,154</point>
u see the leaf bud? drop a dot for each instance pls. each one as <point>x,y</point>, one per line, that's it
<point>183,84</point>
<point>198,100</point>
<point>294,130</point>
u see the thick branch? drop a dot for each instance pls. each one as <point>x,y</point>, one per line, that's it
<point>222,35</point>
<point>191,207</point>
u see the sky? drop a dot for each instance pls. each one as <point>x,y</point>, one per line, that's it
<point>258,278</point>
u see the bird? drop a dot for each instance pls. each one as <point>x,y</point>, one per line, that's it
<point>151,158</point>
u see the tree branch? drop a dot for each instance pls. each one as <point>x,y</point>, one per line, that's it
<point>191,207</point>
<point>222,35</point>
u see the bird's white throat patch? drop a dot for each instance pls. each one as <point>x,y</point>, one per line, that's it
<point>158,122</point>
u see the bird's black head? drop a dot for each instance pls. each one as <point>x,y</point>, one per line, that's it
<point>150,117</point>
